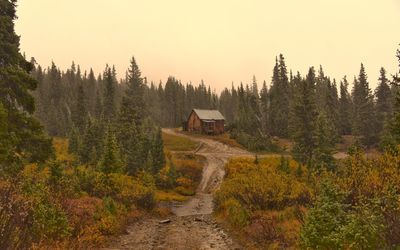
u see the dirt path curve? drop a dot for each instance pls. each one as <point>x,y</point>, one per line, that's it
<point>192,227</point>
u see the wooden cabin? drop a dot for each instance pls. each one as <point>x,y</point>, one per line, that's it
<point>205,122</point>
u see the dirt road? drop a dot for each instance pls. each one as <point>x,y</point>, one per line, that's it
<point>192,226</point>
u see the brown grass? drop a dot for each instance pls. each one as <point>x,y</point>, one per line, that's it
<point>178,143</point>
<point>223,138</point>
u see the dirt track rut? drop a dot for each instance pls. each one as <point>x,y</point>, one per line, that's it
<point>192,226</point>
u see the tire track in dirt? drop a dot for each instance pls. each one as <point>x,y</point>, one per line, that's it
<point>192,226</point>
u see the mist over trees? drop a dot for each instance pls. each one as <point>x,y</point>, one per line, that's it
<point>292,106</point>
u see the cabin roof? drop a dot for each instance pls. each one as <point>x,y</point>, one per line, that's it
<point>208,114</point>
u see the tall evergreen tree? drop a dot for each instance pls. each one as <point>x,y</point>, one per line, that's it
<point>345,108</point>
<point>130,121</point>
<point>395,124</point>
<point>364,124</point>
<point>325,138</point>
<point>79,114</point>
<point>264,108</point>
<point>109,99</point>
<point>22,133</point>
<point>92,142</point>
<point>384,108</point>
<point>157,152</point>
<point>279,99</point>
<point>305,113</point>
<point>111,161</point>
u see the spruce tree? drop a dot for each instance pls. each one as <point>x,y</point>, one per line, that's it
<point>91,89</point>
<point>384,108</point>
<point>325,138</point>
<point>304,121</point>
<point>364,124</point>
<point>23,136</point>
<point>345,109</point>
<point>395,124</point>
<point>264,109</point>
<point>75,141</point>
<point>79,114</point>
<point>109,99</point>
<point>157,152</point>
<point>98,108</point>
<point>279,99</point>
<point>92,142</point>
<point>111,161</point>
<point>130,122</point>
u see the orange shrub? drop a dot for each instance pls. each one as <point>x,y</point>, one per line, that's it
<point>264,201</point>
<point>80,212</point>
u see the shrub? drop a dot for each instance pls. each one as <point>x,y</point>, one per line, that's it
<point>80,212</point>
<point>277,229</point>
<point>332,223</point>
<point>246,183</point>
<point>49,220</point>
<point>237,215</point>
<point>15,218</point>
<point>264,200</point>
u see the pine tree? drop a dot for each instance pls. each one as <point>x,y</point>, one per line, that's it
<point>345,108</point>
<point>92,142</point>
<point>321,90</point>
<point>98,108</point>
<point>79,114</point>
<point>109,102</point>
<point>279,99</point>
<point>22,133</point>
<point>157,152</point>
<point>383,93</point>
<point>75,141</point>
<point>332,107</point>
<point>92,90</point>
<point>305,113</point>
<point>321,229</point>
<point>364,124</point>
<point>111,161</point>
<point>254,87</point>
<point>395,124</point>
<point>264,109</point>
<point>131,122</point>
<point>325,138</point>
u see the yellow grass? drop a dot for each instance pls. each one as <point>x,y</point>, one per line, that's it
<point>178,143</point>
<point>168,195</point>
<point>223,138</point>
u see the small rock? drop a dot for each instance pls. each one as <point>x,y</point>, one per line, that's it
<point>165,221</point>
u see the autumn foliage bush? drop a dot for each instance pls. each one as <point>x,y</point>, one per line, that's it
<point>58,205</point>
<point>361,203</point>
<point>181,174</point>
<point>277,203</point>
<point>264,200</point>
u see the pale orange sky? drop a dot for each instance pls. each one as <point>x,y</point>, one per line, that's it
<point>219,41</point>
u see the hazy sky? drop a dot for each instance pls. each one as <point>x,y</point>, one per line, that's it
<point>219,41</point>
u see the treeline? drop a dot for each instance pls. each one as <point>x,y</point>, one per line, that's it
<point>63,98</point>
<point>313,110</point>
<point>294,105</point>
<point>101,117</point>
